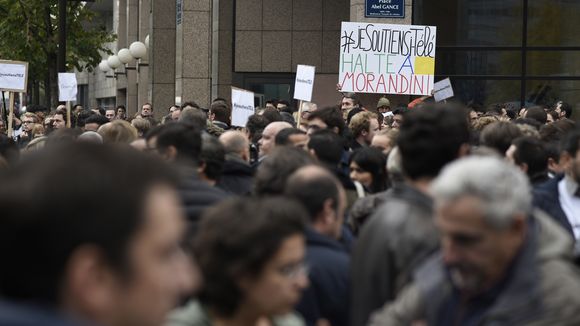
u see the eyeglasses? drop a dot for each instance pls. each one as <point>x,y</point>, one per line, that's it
<point>293,271</point>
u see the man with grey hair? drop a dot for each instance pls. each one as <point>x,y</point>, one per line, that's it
<point>500,262</point>
<point>238,175</point>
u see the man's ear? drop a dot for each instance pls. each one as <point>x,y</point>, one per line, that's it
<point>565,161</point>
<point>524,167</point>
<point>89,283</point>
<point>329,211</point>
<point>463,150</point>
<point>170,153</point>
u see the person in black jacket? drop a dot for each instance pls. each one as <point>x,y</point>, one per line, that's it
<point>327,298</point>
<point>401,233</point>
<point>237,175</point>
<point>181,144</point>
<point>560,197</point>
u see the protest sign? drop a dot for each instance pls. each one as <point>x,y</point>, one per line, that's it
<point>67,87</point>
<point>442,90</point>
<point>242,106</point>
<point>387,58</point>
<point>13,76</point>
<point>304,82</point>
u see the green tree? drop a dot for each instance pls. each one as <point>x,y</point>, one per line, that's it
<point>29,32</point>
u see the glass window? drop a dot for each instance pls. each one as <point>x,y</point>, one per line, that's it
<point>548,92</point>
<point>553,22</point>
<point>553,63</point>
<point>478,63</point>
<point>486,92</point>
<point>473,22</point>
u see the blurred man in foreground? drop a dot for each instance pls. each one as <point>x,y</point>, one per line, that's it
<point>499,263</point>
<point>99,246</point>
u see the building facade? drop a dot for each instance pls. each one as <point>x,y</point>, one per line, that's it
<point>493,51</point>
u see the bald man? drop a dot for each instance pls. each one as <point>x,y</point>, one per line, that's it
<point>238,175</point>
<point>268,140</point>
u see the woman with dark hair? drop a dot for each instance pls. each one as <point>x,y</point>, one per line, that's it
<point>251,256</point>
<point>368,166</point>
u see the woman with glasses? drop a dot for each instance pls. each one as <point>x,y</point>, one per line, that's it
<point>251,256</point>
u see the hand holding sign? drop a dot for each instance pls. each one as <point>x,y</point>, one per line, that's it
<point>442,90</point>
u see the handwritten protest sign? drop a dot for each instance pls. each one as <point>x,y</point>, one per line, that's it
<point>387,58</point>
<point>242,106</point>
<point>304,82</point>
<point>442,90</point>
<point>13,76</point>
<point>67,87</point>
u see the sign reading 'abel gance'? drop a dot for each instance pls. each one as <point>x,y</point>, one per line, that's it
<point>387,59</point>
<point>385,8</point>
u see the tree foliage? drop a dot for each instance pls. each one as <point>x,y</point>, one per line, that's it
<point>29,32</point>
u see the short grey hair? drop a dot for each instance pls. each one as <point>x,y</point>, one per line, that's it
<point>503,189</point>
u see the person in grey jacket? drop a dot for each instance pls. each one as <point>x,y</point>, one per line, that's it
<point>500,263</point>
<point>401,233</point>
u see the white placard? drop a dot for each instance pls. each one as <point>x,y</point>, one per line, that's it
<point>67,87</point>
<point>13,76</point>
<point>304,82</point>
<point>242,106</point>
<point>442,90</point>
<point>387,58</point>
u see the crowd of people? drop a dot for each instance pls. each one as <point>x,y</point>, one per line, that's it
<point>355,214</point>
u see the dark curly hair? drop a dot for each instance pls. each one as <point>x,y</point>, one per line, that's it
<point>237,239</point>
<point>430,137</point>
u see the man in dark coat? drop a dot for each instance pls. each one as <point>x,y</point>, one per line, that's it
<point>401,234</point>
<point>237,175</point>
<point>560,197</point>
<point>327,298</point>
<point>181,144</point>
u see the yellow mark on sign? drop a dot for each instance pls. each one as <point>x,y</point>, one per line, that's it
<point>424,66</point>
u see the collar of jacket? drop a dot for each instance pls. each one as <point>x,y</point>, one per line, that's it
<point>521,297</point>
<point>412,194</point>
<point>314,238</point>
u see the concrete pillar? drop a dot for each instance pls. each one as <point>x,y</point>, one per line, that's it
<point>132,36</point>
<point>194,52</point>
<point>162,56</point>
<point>121,30</point>
<point>222,62</point>
<point>143,72</point>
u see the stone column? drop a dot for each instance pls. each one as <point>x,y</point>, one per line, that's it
<point>162,56</point>
<point>143,72</point>
<point>222,61</point>
<point>132,36</point>
<point>121,30</point>
<point>194,52</point>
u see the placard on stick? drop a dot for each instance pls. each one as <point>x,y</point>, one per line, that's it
<point>13,76</point>
<point>67,87</point>
<point>242,106</point>
<point>387,58</point>
<point>304,82</point>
